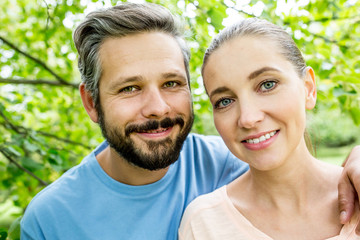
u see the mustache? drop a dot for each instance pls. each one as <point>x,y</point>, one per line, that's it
<point>154,124</point>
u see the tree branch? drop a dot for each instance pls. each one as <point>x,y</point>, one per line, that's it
<point>37,82</point>
<point>334,18</point>
<point>8,156</point>
<point>238,10</point>
<point>329,40</point>
<point>327,19</point>
<point>12,126</point>
<point>45,134</point>
<point>38,61</point>
<point>25,131</point>
<point>48,14</point>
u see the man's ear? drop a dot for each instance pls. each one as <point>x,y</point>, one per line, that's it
<point>88,103</point>
<point>310,88</point>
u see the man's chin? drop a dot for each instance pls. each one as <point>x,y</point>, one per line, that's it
<point>150,153</point>
<point>153,161</point>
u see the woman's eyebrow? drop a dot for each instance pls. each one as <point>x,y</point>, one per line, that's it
<point>218,90</point>
<point>260,71</point>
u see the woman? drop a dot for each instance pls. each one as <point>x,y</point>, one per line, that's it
<point>259,87</point>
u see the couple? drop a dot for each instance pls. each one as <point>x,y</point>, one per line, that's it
<point>136,185</point>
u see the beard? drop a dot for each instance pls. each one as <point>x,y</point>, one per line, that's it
<point>152,155</point>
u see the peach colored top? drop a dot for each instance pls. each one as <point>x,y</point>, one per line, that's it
<point>214,217</point>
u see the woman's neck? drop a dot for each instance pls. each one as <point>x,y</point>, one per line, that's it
<point>300,192</point>
<point>294,180</point>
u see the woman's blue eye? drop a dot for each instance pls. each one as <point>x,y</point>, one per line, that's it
<point>223,103</point>
<point>268,85</point>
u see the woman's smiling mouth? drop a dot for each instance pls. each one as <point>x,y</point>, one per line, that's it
<point>261,138</point>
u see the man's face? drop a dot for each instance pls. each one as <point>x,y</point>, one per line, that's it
<point>145,109</point>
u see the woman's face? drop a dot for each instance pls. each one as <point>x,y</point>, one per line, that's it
<point>259,100</point>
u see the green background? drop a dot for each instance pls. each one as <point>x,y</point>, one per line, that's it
<point>44,129</point>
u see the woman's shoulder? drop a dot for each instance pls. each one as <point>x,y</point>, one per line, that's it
<point>206,201</point>
<point>330,172</point>
<point>203,205</point>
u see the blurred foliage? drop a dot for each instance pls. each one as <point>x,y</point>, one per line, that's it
<point>44,129</point>
<point>331,128</point>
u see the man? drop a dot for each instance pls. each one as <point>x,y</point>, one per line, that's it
<point>136,185</point>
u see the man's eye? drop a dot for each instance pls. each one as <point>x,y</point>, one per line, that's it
<point>170,84</point>
<point>222,103</point>
<point>128,89</point>
<point>267,86</point>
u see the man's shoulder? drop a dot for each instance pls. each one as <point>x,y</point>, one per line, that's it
<point>206,155</point>
<point>203,138</point>
<point>207,148</point>
<point>206,142</point>
<point>55,200</point>
<point>71,181</point>
<point>209,157</point>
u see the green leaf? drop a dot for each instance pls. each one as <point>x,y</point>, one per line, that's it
<point>216,17</point>
<point>354,78</point>
<point>54,157</point>
<point>30,146</point>
<point>14,230</point>
<point>339,91</point>
<point>13,151</point>
<point>31,164</point>
<point>342,99</point>
<point>3,234</point>
<point>355,114</point>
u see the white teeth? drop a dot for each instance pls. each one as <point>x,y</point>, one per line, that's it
<point>157,131</point>
<point>261,138</point>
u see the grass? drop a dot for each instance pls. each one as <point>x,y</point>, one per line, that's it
<point>333,155</point>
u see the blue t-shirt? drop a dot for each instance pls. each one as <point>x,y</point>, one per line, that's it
<point>85,203</point>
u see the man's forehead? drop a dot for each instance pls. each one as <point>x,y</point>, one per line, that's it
<point>137,47</point>
<point>122,60</point>
<point>148,41</point>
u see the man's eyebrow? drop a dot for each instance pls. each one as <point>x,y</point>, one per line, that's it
<point>139,78</point>
<point>125,80</point>
<point>173,75</point>
<point>260,71</point>
<point>218,90</point>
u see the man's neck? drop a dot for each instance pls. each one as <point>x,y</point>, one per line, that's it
<point>122,171</point>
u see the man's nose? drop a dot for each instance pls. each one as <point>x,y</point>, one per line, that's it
<point>155,104</point>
